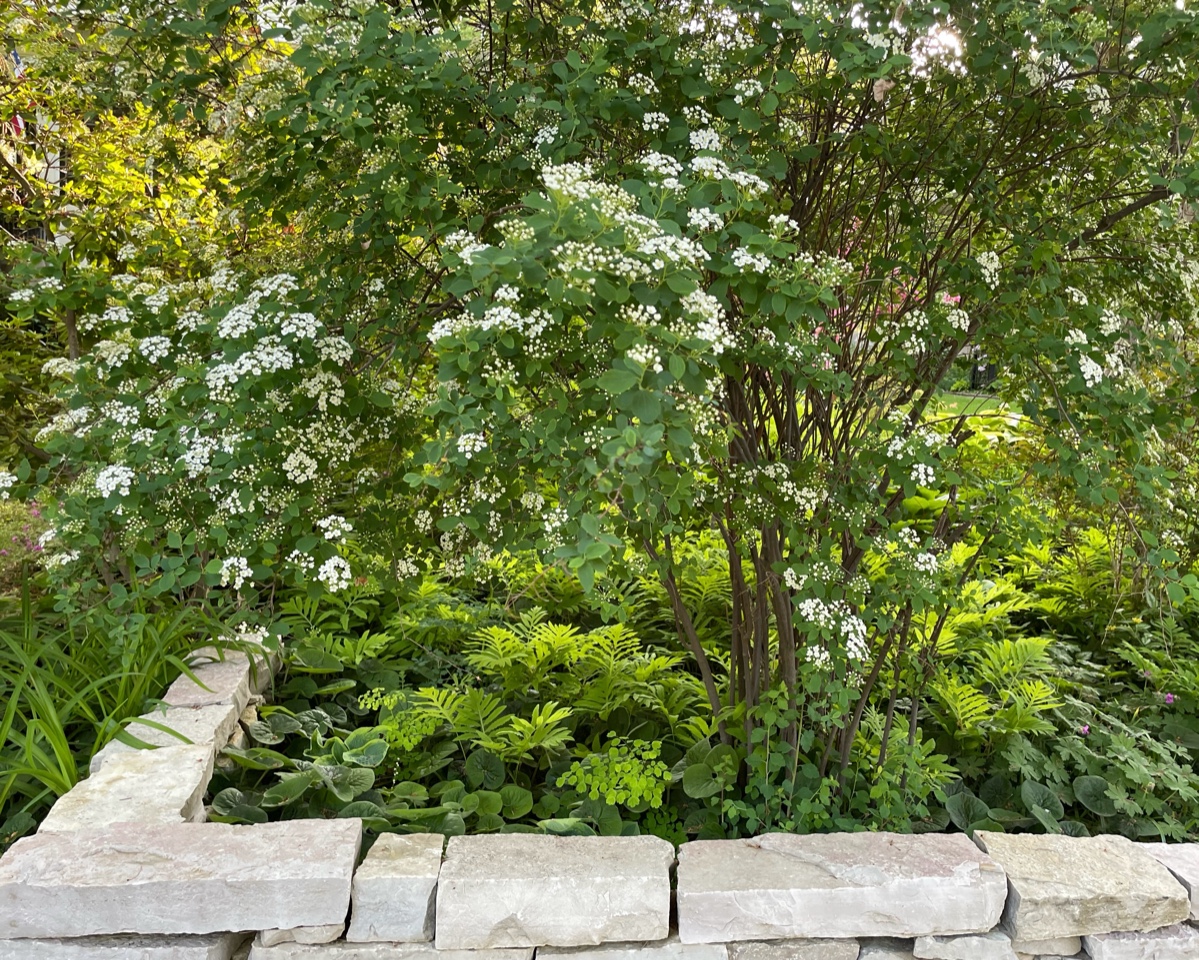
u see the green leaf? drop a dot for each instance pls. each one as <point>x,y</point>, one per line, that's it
<point>488,823</point>
<point>1091,792</point>
<point>484,769</point>
<point>567,827</point>
<point>1038,795</point>
<point>615,382</point>
<point>489,802</point>
<point>517,801</point>
<point>290,789</point>
<point>965,810</point>
<point>346,783</point>
<point>699,781</point>
<point>256,758</point>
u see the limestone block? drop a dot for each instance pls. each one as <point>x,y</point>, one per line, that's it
<point>836,885</point>
<point>219,946</point>
<point>1063,886</point>
<point>1177,942</point>
<point>887,948</point>
<point>381,951</point>
<point>393,894</point>
<point>1182,860</point>
<point>233,679</point>
<point>1059,946</point>
<point>794,950</point>
<point>995,945</point>
<point>163,786</point>
<point>326,934</point>
<point>524,890</point>
<point>668,949</point>
<point>178,878</point>
<point>201,725</point>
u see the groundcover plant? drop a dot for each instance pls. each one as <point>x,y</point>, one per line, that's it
<point>651,298</point>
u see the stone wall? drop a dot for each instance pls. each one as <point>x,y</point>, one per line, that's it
<point>125,868</point>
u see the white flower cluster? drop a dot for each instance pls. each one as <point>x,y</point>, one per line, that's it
<point>116,478</point>
<point>464,244</point>
<point>958,318</point>
<point>781,224</point>
<point>1092,372</point>
<point>1076,296</point>
<point>335,349</point>
<point>1075,338</point>
<point>7,482</point>
<point>60,367</point>
<point>697,116</point>
<point>406,569</point>
<point>705,139</point>
<point>235,571</point>
<point>704,219</point>
<point>714,168</point>
<point>923,474</point>
<point>988,263</point>
<point>335,574</point>
<point>471,443</point>
<point>21,296</point>
<point>646,356</point>
<point>710,313</point>
<point>500,316</point>
<point>836,617</point>
<point>744,260</point>
<point>302,560</point>
<point>155,348</point>
<point>303,326</point>
<point>335,528</point>
<point>238,322</point>
<point>111,353</point>
<point>299,467</point>
<point>122,414</point>
<point>655,121</point>
<point>665,167</point>
<point>1110,322</point>
<point>744,90</point>
<point>643,85</point>
<point>190,321</point>
<point>277,287</point>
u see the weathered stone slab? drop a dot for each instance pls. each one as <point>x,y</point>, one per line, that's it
<point>210,725</point>
<point>1059,946</point>
<point>887,949</point>
<point>326,934</point>
<point>1063,886</point>
<point>1177,942</point>
<point>794,950</point>
<point>394,889</point>
<point>179,878</point>
<point>1182,860</point>
<point>381,951</point>
<point>164,786</point>
<point>978,946</point>
<point>836,885</point>
<point>668,949</point>
<point>219,946</point>
<point>233,679</point>
<point>523,890</point>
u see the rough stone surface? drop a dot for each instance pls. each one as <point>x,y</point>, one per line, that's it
<point>1063,886</point>
<point>1182,860</point>
<point>394,889</point>
<point>219,946</point>
<point>181,878</point>
<point>844,885</point>
<point>164,786</point>
<point>669,949</point>
<point>520,890</point>
<point>201,725</point>
<point>381,951</point>
<point>1177,942</point>
<point>979,946</point>
<point>233,679</point>
<point>1059,946</point>
<point>325,934</point>
<point>887,949</point>
<point>794,950</point>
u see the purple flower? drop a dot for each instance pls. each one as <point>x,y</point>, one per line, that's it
<point>1084,729</point>
<point>1169,698</point>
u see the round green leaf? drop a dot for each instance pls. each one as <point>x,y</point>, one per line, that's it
<point>484,769</point>
<point>1091,792</point>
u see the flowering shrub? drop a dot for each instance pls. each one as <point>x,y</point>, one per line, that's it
<point>206,438</point>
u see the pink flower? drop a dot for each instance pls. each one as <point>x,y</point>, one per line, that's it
<point>1084,729</point>
<point>1169,698</point>
<point>947,298</point>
